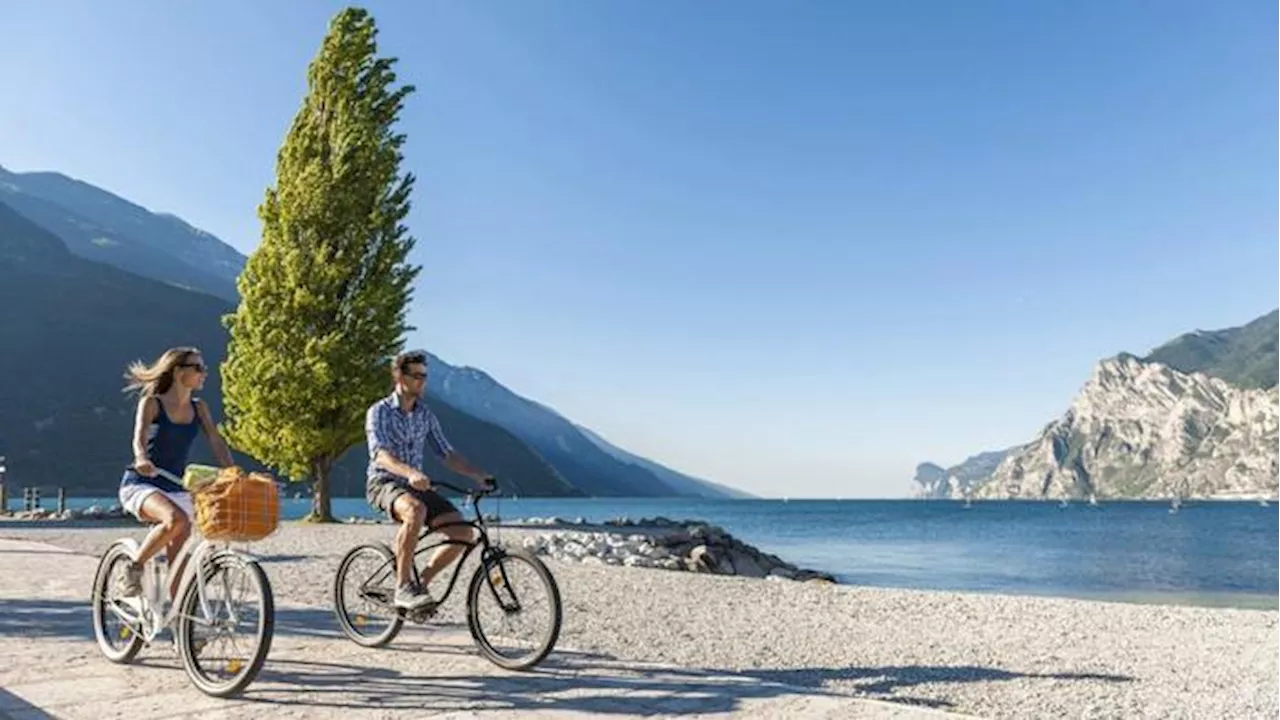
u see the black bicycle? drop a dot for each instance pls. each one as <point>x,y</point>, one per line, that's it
<point>509,584</point>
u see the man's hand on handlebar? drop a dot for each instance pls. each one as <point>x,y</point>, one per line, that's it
<point>488,483</point>
<point>419,481</point>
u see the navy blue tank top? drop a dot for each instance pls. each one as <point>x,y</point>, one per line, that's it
<point>168,444</point>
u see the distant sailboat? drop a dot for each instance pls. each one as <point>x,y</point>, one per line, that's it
<point>1093,499</point>
<point>1177,503</point>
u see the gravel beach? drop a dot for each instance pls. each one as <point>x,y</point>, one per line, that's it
<point>988,655</point>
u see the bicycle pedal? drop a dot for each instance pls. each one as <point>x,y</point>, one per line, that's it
<point>422,614</point>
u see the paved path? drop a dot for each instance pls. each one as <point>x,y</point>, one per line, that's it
<point>52,668</point>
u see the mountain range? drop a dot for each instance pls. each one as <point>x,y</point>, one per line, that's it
<point>98,225</point>
<point>1196,417</point>
<point>90,281</point>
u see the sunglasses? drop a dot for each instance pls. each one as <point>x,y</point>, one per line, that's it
<point>416,375</point>
<point>198,367</point>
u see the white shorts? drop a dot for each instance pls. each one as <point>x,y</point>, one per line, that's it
<point>133,494</point>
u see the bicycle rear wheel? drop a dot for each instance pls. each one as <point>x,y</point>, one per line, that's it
<point>513,609</point>
<point>364,594</point>
<point>117,640</point>
<point>216,671</point>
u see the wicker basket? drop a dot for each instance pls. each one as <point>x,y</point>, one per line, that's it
<point>238,507</point>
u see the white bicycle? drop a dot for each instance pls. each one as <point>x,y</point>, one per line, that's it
<point>204,618</point>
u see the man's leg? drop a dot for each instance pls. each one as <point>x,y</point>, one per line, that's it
<point>442,556</point>
<point>411,513</point>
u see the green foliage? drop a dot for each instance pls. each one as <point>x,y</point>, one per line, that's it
<point>1245,356</point>
<point>323,298</point>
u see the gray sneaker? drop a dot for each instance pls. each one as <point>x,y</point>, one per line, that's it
<point>412,597</point>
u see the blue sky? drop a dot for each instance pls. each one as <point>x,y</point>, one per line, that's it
<point>793,247</point>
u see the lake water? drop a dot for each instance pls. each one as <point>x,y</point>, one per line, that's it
<point>1207,553</point>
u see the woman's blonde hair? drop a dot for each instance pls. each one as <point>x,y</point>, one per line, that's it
<point>157,378</point>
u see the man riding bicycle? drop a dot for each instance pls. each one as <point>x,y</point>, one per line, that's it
<point>397,428</point>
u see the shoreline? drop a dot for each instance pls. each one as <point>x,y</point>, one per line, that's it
<point>536,533</point>
<point>990,655</point>
<point>526,532</point>
<point>15,501</point>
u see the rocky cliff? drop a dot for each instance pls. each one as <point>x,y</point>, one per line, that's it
<point>1143,429</point>
<point>957,481</point>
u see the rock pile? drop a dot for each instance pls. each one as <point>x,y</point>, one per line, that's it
<point>354,520</point>
<point>94,512</point>
<point>690,546</point>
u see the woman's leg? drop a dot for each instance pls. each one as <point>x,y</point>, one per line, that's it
<point>173,527</point>
<point>174,549</point>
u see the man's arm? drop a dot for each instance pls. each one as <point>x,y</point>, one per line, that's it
<point>385,460</point>
<point>458,463</point>
<point>453,459</point>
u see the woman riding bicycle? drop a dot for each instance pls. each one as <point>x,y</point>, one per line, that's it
<point>168,419</point>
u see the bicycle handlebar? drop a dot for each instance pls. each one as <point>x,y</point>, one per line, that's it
<point>165,473</point>
<point>474,492</point>
<point>160,471</point>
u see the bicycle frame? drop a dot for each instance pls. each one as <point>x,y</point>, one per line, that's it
<point>481,542</point>
<point>190,561</point>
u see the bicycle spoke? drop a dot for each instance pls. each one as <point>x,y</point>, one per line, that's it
<point>219,655</point>
<point>119,629</point>
<point>128,616</point>
<point>364,590</point>
<point>515,611</point>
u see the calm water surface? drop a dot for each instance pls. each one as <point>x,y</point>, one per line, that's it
<point>1207,553</point>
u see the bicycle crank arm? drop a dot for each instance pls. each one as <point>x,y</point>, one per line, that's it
<point>420,615</point>
<point>131,621</point>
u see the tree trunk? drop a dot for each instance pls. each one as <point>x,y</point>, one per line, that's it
<point>321,511</point>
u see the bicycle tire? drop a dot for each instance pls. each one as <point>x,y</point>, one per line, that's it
<point>480,580</point>
<point>340,603</point>
<point>101,577</point>
<point>266,627</point>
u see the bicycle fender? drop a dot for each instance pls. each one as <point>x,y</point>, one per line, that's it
<point>129,544</point>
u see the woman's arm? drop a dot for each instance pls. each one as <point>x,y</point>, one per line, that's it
<point>218,445</point>
<point>145,416</point>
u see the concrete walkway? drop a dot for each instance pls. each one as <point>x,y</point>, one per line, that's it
<point>52,668</point>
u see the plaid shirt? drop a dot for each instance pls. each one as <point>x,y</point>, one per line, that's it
<point>402,434</point>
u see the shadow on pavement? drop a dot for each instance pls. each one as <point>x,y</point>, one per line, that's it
<point>10,703</point>
<point>566,681</point>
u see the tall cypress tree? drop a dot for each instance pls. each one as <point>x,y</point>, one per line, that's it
<point>323,298</point>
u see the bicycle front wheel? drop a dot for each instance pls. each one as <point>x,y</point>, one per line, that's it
<point>513,609</point>
<point>238,597</point>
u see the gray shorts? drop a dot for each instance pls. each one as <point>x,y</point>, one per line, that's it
<point>382,494</point>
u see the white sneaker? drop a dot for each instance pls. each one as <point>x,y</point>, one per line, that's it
<point>412,597</point>
<point>130,585</point>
